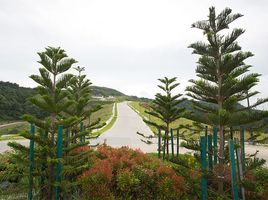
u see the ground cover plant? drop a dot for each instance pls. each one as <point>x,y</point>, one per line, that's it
<point>124,173</point>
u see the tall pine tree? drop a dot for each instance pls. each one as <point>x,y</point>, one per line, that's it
<point>52,98</point>
<point>223,79</point>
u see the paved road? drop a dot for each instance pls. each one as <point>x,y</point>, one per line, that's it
<point>4,147</point>
<point>123,133</point>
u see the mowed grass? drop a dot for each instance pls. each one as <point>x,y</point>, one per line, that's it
<point>104,114</point>
<point>263,138</point>
<point>109,125</point>
<point>11,132</point>
<point>141,112</point>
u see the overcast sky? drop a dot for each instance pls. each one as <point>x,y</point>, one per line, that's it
<point>123,44</point>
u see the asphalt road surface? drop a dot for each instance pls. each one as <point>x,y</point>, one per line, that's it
<point>124,133</point>
<point>4,147</point>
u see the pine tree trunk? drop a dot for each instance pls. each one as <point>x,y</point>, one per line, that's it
<point>221,127</point>
<point>167,134</point>
<point>51,171</point>
<point>51,167</point>
<point>221,160</point>
<point>167,144</point>
<point>50,182</point>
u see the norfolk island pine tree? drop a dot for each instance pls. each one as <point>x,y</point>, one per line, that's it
<point>223,79</point>
<point>165,107</point>
<point>76,148</point>
<point>53,98</point>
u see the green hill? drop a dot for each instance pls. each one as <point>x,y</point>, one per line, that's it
<point>105,92</point>
<point>13,100</point>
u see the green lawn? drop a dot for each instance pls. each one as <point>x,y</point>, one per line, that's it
<point>105,113</point>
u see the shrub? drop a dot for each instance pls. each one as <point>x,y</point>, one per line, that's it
<point>124,173</point>
<point>127,184</point>
<point>256,184</point>
<point>97,180</point>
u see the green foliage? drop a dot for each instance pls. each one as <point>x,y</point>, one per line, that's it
<point>224,80</point>
<point>66,100</point>
<point>52,98</point>
<point>127,183</point>
<point>14,100</point>
<point>165,106</point>
<point>256,183</point>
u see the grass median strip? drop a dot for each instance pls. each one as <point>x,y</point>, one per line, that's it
<point>110,124</point>
<point>11,137</point>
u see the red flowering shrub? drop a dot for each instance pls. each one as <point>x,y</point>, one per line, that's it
<point>164,171</point>
<point>124,173</point>
<point>102,167</point>
<point>96,182</point>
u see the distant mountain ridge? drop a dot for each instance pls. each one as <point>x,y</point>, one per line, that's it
<point>13,99</point>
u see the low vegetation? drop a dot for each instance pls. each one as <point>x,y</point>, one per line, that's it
<point>124,173</point>
<point>108,124</point>
<point>104,113</point>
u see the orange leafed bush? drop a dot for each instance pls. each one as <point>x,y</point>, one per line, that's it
<point>122,173</point>
<point>103,167</point>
